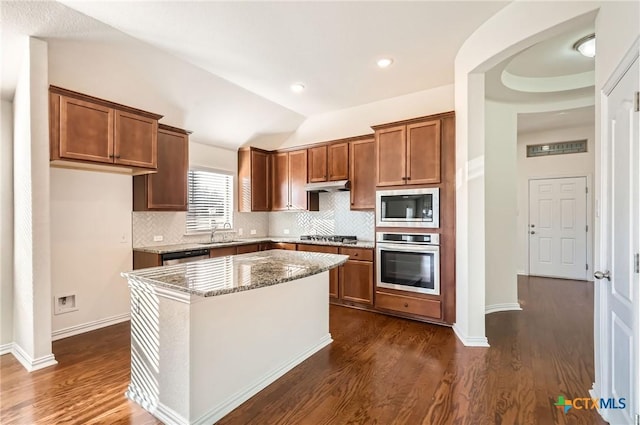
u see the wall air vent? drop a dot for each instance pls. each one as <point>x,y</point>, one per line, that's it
<point>559,148</point>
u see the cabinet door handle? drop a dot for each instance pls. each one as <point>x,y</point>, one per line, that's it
<point>117,156</point>
<point>409,178</point>
<point>404,178</point>
<point>355,255</point>
<point>110,156</point>
<point>406,305</point>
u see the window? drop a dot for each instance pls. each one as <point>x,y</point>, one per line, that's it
<point>210,200</point>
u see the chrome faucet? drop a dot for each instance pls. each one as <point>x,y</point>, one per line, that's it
<point>226,225</point>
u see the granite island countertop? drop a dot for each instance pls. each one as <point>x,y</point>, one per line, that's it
<point>165,249</point>
<point>236,273</point>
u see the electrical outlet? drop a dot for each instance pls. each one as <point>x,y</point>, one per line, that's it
<point>286,231</point>
<point>158,238</point>
<point>64,303</point>
<point>240,231</point>
<point>253,231</point>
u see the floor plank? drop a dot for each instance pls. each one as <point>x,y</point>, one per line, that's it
<point>379,370</point>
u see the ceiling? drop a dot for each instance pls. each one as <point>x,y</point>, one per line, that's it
<point>568,118</point>
<point>253,51</point>
<point>264,47</point>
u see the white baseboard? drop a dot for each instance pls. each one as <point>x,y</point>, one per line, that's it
<point>470,341</point>
<point>6,348</point>
<point>30,363</point>
<point>494,308</point>
<point>235,400</point>
<point>89,326</point>
<point>602,412</point>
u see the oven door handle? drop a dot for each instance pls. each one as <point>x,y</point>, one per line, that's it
<point>409,247</point>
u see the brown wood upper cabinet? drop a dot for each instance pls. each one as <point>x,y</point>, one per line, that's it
<point>363,183</point>
<point>329,162</point>
<point>165,190</point>
<point>253,180</point>
<point>408,154</point>
<point>289,179</point>
<point>88,129</point>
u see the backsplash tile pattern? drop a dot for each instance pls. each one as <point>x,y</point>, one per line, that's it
<point>171,226</point>
<point>334,217</point>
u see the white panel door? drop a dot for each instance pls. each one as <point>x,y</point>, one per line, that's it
<point>558,227</point>
<point>620,232</point>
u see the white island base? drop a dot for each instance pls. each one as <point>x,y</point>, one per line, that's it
<point>194,359</point>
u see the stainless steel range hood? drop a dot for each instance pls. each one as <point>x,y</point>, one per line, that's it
<point>336,186</point>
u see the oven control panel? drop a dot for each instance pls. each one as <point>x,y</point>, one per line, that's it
<point>409,238</point>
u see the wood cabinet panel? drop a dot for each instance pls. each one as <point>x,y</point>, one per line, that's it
<point>96,132</point>
<point>222,252</point>
<point>361,254</point>
<point>356,281</point>
<point>406,304</point>
<point>280,185</point>
<point>254,177</point>
<point>391,156</point>
<point>284,245</point>
<point>317,164</point>
<point>165,190</point>
<point>297,180</point>
<point>143,260</point>
<point>245,249</point>
<point>86,130</point>
<point>136,142</point>
<point>423,153</point>
<point>338,161</point>
<point>334,275</point>
<point>363,175</point>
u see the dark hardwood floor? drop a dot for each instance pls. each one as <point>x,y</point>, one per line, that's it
<point>379,370</point>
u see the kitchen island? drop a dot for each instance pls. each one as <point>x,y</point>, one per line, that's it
<point>208,335</point>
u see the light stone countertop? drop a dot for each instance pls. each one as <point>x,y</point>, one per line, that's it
<point>236,273</point>
<point>164,249</point>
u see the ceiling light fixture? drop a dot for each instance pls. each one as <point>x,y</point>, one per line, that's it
<point>586,46</point>
<point>297,87</point>
<point>384,62</point>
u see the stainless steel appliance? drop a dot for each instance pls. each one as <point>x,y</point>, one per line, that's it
<point>171,258</point>
<point>408,261</point>
<point>408,208</point>
<point>330,238</point>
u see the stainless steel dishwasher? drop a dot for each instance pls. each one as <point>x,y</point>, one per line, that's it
<point>171,258</point>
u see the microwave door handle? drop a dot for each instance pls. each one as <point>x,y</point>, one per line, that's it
<point>410,248</point>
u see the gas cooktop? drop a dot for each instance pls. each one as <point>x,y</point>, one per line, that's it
<point>330,238</point>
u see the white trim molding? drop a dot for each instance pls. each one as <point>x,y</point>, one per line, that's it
<point>470,341</point>
<point>6,348</point>
<point>30,363</point>
<point>495,308</point>
<point>89,326</point>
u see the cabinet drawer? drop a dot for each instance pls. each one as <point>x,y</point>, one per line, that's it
<point>222,252</point>
<point>400,303</point>
<point>318,248</point>
<point>361,254</point>
<point>244,249</point>
<point>284,245</point>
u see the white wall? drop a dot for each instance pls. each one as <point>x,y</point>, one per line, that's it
<point>494,41</point>
<point>580,164</point>
<point>32,247</point>
<point>500,207</point>
<point>6,224</point>
<point>91,239</point>
<point>358,120</point>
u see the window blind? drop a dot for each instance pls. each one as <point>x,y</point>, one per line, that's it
<point>210,196</point>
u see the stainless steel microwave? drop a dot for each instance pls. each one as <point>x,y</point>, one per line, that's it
<point>408,208</point>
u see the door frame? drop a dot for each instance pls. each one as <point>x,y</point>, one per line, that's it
<point>590,216</point>
<point>601,349</point>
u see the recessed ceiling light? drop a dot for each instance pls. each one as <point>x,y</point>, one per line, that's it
<point>586,46</point>
<point>297,87</point>
<point>384,62</point>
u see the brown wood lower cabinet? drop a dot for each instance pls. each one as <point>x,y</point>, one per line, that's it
<point>223,252</point>
<point>143,260</point>
<point>407,304</point>
<point>356,276</point>
<point>245,249</point>
<point>283,245</point>
<point>334,275</point>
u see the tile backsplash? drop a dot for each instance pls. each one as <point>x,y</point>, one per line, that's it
<point>334,217</point>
